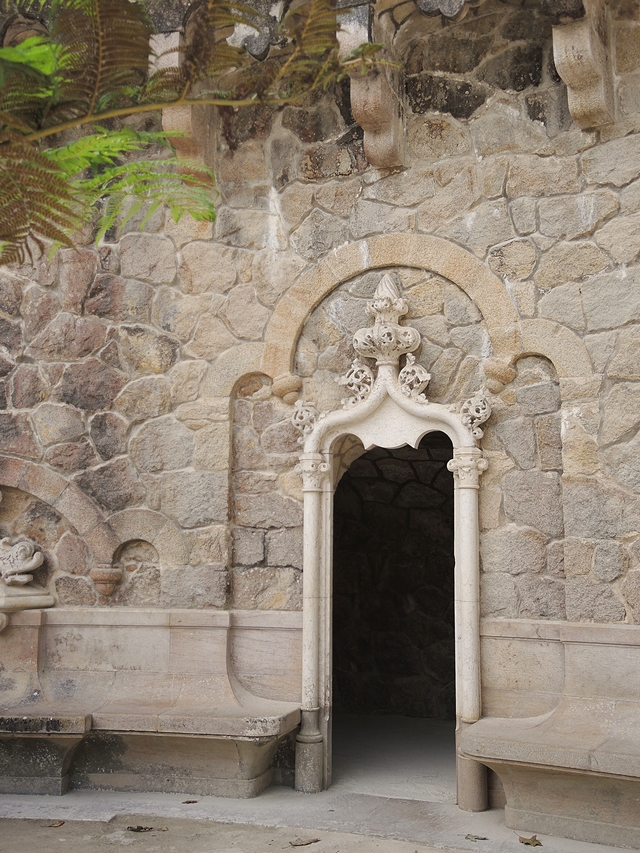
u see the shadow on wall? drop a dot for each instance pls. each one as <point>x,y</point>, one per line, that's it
<point>393,583</point>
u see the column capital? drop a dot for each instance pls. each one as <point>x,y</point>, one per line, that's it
<point>467,465</point>
<point>314,471</point>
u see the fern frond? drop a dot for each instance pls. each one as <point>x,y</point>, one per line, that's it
<point>36,200</point>
<point>104,49</point>
<point>312,30</point>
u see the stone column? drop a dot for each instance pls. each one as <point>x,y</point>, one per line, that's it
<point>309,747</point>
<point>467,465</point>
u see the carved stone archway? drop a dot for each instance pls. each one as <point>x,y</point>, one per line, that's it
<point>387,409</point>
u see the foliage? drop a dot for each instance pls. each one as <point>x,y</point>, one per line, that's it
<point>93,67</point>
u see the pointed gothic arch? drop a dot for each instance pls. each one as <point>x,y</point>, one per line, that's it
<point>388,409</point>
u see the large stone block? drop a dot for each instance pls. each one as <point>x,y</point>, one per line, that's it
<point>621,412</point>
<point>541,597</point>
<point>534,499</point>
<point>213,447</point>
<point>72,456</point>
<point>72,555</point>
<point>319,233</point>
<point>108,432</point>
<point>623,462</point>
<point>245,316</point>
<point>211,338</point>
<point>270,510</point>
<point>144,398</point>
<point>542,176</point>
<point>89,385</point>
<point>597,509</point>
<point>563,305</point>
<point>498,596</point>
<point>610,561</point>
<point>76,269</point>
<point>262,588</point>
<point>518,440</point>
<point>620,238</point>
<point>38,309</point>
<point>120,300</point>
<point>515,260</point>
<point>569,217</point>
<point>177,314</point>
<point>448,200</point>
<point>68,338</point>
<point>194,586</point>
<point>56,423</point>
<point>147,351</point>
<point>29,387</point>
<point>591,601</point>
<point>161,445</point>
<point>284,547</point>
<point>207,267</point>
<point>194,499</point>
<point>17,436</point>
<point>114,485</point>
<point>482,227</point>
<point>248,546</point>
<point>549,441</point>
<point>184,381</point>
<point>616,162</point>
<point>149,257</point>
<point>513,549</point>
<point>565,262</point>
<point>611,299</point>
<point>538,398</point>
<point>625,364</point>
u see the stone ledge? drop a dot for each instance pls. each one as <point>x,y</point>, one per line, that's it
<point>565,632</point>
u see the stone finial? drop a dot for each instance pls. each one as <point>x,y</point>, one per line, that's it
<point>387,340</point>
<point>18,557</point>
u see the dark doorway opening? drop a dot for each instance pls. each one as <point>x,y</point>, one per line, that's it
<point>393,610</point>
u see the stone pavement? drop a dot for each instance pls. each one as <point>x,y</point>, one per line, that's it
<point>343,821</point>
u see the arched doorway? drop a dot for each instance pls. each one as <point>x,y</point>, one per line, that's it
<point>393,623</point>
<point>387,410</point>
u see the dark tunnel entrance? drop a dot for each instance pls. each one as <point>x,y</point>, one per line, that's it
<point>393,605</point>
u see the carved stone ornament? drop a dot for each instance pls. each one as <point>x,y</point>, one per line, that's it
<point>303,418</point>
<point>313,470</point>
<point>358,380</point>
<point>475,411</point>
<point>413,379</point>
<point>387,340</point>
<point>467,465</point>
<point>583,59</point>
<point>18,557</point>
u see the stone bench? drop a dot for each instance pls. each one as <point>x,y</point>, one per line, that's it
<point>146,700</point>
<point>581,758</point>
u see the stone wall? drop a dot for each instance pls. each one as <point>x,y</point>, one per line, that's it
<point>111,356</point>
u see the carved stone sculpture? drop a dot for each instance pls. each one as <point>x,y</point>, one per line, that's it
<point>18,557</point>
<point>387,340</point>
<point>581,53</point>
<point>475,411</point>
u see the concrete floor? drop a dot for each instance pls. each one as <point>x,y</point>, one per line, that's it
<point>385,771</point>
<point>412,759</point>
